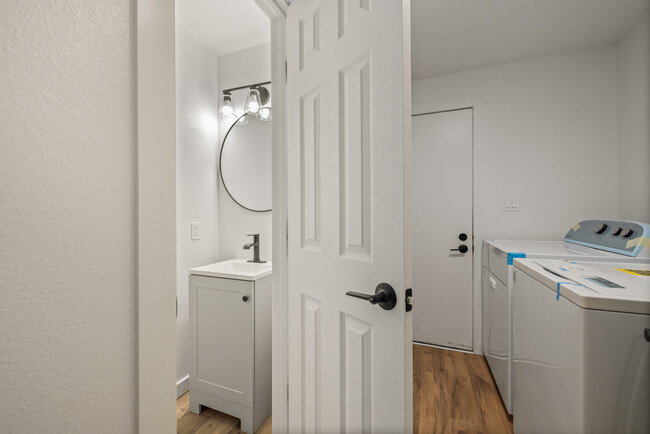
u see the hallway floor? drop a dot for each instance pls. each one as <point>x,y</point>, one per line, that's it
<point>452,392</point>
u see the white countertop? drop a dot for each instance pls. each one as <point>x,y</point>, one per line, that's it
<point>239,269</point>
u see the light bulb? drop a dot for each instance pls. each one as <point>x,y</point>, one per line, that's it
<point>253,101</point>
<point>227,110</point>
<point>253,107</point>
<point>265,113</point>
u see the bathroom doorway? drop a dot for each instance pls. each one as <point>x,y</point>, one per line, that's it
<point>224,134</point>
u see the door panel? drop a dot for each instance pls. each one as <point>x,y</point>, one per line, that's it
<point>346,209</point>
<point>442,210</point>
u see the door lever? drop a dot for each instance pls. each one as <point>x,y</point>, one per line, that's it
<point>384,296</point>
<point>462,249</point>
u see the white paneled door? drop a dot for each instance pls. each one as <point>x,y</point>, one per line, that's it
<point>442,228</point>
<point>348,95</point>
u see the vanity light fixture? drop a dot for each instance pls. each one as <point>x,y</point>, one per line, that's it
<point>256,100</point>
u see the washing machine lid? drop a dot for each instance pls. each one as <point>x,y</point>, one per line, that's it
<point>611,286</point>
<point>541,249</point>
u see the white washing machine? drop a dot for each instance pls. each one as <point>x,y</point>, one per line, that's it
<point>589,239</point>
<point>581,341</point>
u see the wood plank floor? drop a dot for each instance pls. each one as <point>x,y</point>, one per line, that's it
<point>453,392</point>
<point>209,421</point>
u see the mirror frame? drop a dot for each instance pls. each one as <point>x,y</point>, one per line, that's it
<point>223,181</point>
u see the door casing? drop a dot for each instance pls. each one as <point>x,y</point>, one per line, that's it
<point>479,199</point>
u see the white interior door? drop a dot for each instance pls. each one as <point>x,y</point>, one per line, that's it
<point>348,96</point>
<point>442,213</point>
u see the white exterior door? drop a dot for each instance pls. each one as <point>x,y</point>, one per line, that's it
<point>442,213</point>
<point>348,99</point>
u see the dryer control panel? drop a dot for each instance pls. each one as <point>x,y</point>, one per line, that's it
<point>625,238</point>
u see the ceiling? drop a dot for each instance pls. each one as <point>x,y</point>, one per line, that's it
<point>447,35</point>
<point>455,35</point>
<point>223,26</point>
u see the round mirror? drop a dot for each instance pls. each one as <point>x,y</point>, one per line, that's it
<point>245,163</point>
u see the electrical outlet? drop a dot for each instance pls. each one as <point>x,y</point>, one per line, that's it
<point>195,231</point>
<point>510,204</point>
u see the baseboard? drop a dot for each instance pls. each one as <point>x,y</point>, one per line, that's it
<point>461,350</point>
<point>182,386</point>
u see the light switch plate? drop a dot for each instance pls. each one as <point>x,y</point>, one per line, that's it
<point>510,204</point>
<point>195,231</point>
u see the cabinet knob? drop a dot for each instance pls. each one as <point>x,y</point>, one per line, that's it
<point>245,298</point>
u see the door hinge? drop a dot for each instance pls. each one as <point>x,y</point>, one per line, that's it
<point>286,71</point>
<point>409,300</point>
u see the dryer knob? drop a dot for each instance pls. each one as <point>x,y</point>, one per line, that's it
<point>616,231</point>
<point>627,233</point>
<point>602,227</point>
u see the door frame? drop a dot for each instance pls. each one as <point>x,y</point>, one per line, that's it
<point>478,104</point>
<point>154,94</point>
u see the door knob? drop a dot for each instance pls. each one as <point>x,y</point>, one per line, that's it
<point>462,237</point>
<point>462,249</point>
<point>384,296</point>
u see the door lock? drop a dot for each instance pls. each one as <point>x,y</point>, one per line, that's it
<point>462,236</point>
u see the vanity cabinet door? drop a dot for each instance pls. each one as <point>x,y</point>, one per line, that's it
<point>221,338</point>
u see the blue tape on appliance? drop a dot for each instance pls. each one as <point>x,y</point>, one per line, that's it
<point>557,296</point>
<point>512,256</point>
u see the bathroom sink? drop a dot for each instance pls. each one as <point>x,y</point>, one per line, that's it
<point>239,269</point>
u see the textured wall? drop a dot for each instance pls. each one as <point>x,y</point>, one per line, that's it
<point>240,68</point>
<point>67,207</point>
<point>551,139</point>
<point>197,146</point>
<point>634,123</point>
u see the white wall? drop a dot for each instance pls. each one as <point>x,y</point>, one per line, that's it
<point>197,145</point>
<point>634,123</point>
<point>241,68</point>
<point>551,139</point>
<point>67,207</point>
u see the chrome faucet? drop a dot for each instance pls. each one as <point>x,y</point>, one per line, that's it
<point>256,248</point>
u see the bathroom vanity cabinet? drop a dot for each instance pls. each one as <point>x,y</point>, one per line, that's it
<point>230,345</point>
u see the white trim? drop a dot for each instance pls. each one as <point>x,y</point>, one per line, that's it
<point>424,344</point>
<point>182,386</point>
<point>276,11</point>
<point>156,226</point>
<point>156,219</point>
<point>279,318</point>
<point>273,9</point>
<point>479,105</point>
